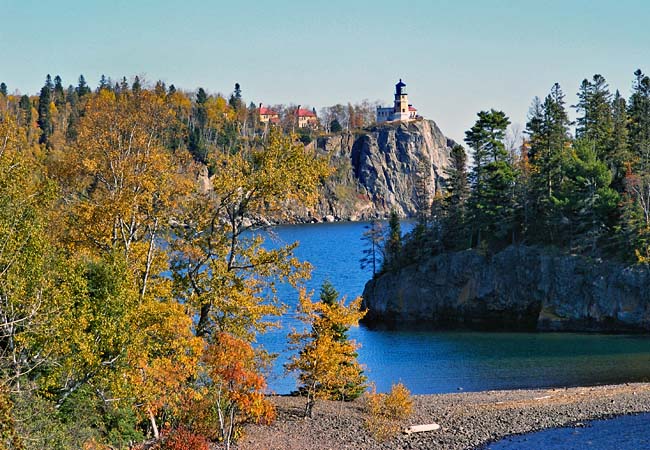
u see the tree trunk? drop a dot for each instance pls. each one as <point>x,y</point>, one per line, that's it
<point>152,418</point>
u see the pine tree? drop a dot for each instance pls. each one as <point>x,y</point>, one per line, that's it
<point>595,121</point>
<point>548,131</point>
<point>335,126</point>
<point>588,202</point>
<point>493,177</point>
<point>160,89</point>
<point>373,237</point>
<point>124,86</point>
<point>3,89</point>
<point>59,94</point>
<point>236,99</point>
<point>104,83</point>
<point>329,296</point>
<point>620,154</point>
<point>422,195</point>
<point>136,87</point>
<point>196,144</point>
<point>25,106</point>
<point>636,213</point>
<point>44,113</point>
<point>393,245</point>
<point>454,228</point>
<point>639,121</point>
<point>82,87</point>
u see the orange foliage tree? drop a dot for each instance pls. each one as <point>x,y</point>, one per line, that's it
<point>234,371</point>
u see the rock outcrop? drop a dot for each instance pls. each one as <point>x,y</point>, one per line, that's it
<point>518,288</point>
<point>376,170</point>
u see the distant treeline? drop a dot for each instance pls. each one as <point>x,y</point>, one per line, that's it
<point>204,121</point>
<point>586,192</point>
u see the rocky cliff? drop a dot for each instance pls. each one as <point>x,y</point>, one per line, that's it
<point>518,288</point>
<point>376,170</point>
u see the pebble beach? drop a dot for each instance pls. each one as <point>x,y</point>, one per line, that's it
<point>468,420</point>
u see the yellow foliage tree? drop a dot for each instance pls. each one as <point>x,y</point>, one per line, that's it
<point>28,292</point>
<point>122,185</point>
<point>132,341</point>
<point>326,363</point>
<point>222,268</point>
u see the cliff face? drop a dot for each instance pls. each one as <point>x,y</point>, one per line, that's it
<point>519,288</point>
<point>376,169</point>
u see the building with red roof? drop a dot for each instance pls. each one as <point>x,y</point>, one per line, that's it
<point>267,115</point>
<point>306,118</point>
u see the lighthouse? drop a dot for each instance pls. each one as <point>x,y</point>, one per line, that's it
<point>401,110</point>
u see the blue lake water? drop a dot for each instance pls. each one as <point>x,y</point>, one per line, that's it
<point>621,433</point>
<point>445,361</point>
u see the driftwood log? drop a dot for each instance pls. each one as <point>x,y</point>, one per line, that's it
<point>422,428</point>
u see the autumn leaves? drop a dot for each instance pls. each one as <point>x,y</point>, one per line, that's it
<point>126,287</point>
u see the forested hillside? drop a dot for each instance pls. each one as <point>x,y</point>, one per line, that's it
<point>585,192</point>
<point>130,295</point>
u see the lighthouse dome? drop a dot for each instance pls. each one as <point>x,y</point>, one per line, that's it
<point>400,87</point>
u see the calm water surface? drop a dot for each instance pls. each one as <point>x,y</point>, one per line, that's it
<point>621,433</point>
<point>436,362</point>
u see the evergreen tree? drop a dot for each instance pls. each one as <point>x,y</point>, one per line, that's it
<point>493,177</point>
<point>196,142</point>
<point>548,130</point>
<point>588,202</point>
<point>639,121</point>
<point>44,112</point>
<point>329,296</point>
<point>636,212</point>
<point>373,238</point>
<point>595,122</point>
<point>454,229</point>
<point>58,94</point>
<point>3,89</point>
<point>82,87</point>
<point>25,106</point>
<point>393,244</point>
<point>620,154</point>
<point>236,99</point>
<point>335,126</point>
<point>136,87</point>
<point>104,83</point>
<point>422,196</point>
<point>124,86</point>
<point>326,361</point>
<point>160,89</point>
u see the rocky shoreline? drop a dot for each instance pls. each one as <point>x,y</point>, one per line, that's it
<point>519,288</point>
<point>468,420</point>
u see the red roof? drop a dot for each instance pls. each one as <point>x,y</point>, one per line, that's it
<point>306,113</point>
<point>264,111</point>
<point>412,108</point>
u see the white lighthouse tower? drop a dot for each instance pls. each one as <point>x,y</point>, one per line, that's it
<point>401,110</point>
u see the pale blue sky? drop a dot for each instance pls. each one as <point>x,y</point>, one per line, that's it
<point>457,57</point>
